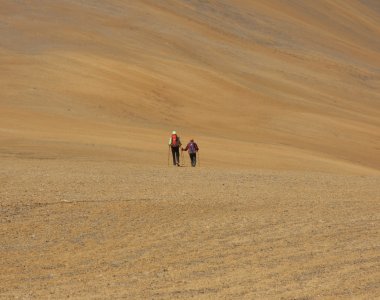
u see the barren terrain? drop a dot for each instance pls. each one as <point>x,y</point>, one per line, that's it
<point>283,98</point>
<point>85,229</point>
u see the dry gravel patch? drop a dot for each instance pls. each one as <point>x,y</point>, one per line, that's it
<point>89,229</point>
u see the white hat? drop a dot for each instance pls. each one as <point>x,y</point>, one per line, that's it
<point>174,132</point>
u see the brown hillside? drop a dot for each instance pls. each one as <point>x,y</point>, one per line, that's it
<point>283,98</point>
<point>269,84</point>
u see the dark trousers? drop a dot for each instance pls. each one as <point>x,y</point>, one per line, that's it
<point>175,153</point>
<point>193,158</point>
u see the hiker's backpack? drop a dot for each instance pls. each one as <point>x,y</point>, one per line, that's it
<point>192,148</point>
<point>175,140</point>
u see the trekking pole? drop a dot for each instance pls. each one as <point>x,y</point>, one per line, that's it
<point>183,162</point>
<point>168,154</point>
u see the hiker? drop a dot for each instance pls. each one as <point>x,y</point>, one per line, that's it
<point>192,147</point>
<point>174,144</point>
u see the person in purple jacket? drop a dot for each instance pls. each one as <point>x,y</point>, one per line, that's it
<point>192,148</point>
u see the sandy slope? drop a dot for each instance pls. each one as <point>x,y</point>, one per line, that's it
<point>283,98</point>
<point>300,77</point>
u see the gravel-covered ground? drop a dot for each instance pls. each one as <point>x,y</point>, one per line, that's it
<point>86,229</point>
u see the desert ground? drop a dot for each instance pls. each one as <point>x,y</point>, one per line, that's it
<point>105,230</point>
<point>283,99</point>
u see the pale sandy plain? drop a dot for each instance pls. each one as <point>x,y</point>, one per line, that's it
<point>283,98</point>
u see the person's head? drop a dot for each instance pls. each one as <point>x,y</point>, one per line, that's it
<point>174,132</point>
<point>191,141</point>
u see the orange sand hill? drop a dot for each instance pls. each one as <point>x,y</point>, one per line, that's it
<point>283,98</point>
<point>268,84</point>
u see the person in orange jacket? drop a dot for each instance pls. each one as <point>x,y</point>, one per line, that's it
<point>175,144</point>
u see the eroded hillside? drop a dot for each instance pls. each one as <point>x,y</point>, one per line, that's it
<point>274,84</point>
